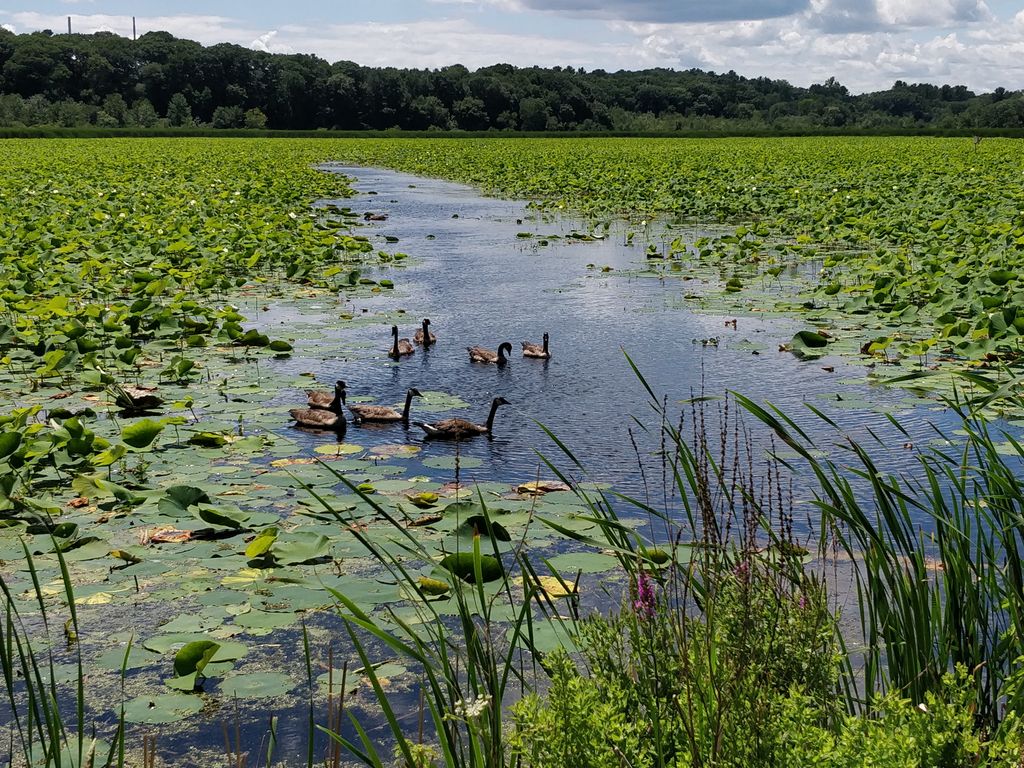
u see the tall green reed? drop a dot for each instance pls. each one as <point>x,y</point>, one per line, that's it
<point>739,618</point>
<point>469,667</point>
<point>40,733</point>
<point>936,555</point>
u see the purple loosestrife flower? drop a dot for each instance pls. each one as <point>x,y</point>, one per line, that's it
<point>645,603</point>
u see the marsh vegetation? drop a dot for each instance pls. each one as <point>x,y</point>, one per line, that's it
<point>680,577</point>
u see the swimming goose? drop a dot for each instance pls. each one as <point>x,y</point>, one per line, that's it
<point>401,347</point>
<point>323,417</point>
<point>457,429</point>
<point>423,335</point>
<point>484,355</point>
<point>383,412</point>
<point>326,400</point>
<point>318,418</point>
<point>536,350</point>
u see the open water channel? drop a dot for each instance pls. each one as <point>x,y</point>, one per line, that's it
<point>481,282</point>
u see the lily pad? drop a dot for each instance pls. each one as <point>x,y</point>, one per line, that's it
<point>255,685</point>
<point>338,449</point>
<point>161,708</point>
<point>463,565</point>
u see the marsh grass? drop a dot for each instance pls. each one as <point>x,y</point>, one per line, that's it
<point>40,732</point>
<point>937,557</point>
<point>469,667</point>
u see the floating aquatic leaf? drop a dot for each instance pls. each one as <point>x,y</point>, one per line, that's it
<point>228,650</point>
<point>338,449</point>
<point>264,620</point>
<point>193,657</point>
<point>400,450</point>
<point>262,543</point>
<point>432,587</point>
<point>478,525</point>
<point>256,685</point>
<point>463,565</point>
<point>423,499</point>
<point>161,708</point>
<point>299,547</point>
<point>555,588</point>
<point>179,498</point>
<point>221,516</point>
<point>209,439</point>
<point>542,487</point>
<point>141,433</point>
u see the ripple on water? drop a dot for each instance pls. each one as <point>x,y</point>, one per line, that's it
<point>481,284</point>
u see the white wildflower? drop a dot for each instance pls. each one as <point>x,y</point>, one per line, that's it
<point>471,708</point>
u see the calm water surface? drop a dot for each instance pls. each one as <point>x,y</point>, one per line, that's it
<point>481,285</point>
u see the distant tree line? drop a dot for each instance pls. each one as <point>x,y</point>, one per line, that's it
<point>108,81</point>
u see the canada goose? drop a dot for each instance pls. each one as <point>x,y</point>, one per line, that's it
<point>325,400</point>
<point>423,335</point>
<point>383,412</point>
<point>401,347</point>
<point>484,355</point>
<point>329,416</point>
<point>456,429</point>
<point>536,350</point>
<point>318,418</point>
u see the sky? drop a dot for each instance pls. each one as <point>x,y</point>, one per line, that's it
<point>865,44</point>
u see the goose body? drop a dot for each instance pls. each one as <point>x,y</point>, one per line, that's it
<point>457,429</point>
<point>423,335</point>
<point>400,347</point>
<point>536,350</point>
<point>328,416</point>
<point>484,355</point>
<point>318,418</point>
<point>383,413</point>
<point>328,401</point>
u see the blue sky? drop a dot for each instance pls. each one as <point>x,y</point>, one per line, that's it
<point>866,44</point>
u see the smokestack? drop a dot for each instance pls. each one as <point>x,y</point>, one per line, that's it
<point>133,27</point>
<point>69,25</point>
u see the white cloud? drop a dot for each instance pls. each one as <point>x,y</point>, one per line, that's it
<point>440,43</point>
<point>932,13</point>
<point>206,29</point>
<point>265,43</point>
<point>671,11</point>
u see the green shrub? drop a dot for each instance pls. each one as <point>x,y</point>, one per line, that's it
<point>689,681</point>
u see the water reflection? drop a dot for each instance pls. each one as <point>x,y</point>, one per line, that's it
<point>480,283</point>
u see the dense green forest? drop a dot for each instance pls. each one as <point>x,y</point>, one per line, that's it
<point>108,81</point>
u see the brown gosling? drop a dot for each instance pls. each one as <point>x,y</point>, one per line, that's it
<point>325,399</point>
<point>401,347</point>
<point>457,429</point>
<point>383,413</point>
<point>484,355</point>
<point>423,335</point>
<point>536,350</point>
